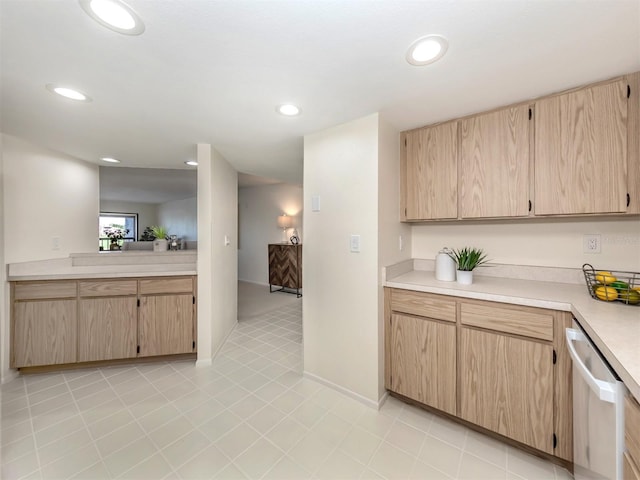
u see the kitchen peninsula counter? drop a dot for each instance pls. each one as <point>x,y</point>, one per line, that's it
<point>613,327</point>
<point>107,265</point>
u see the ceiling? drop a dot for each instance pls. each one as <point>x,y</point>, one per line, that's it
<point>207,71</point>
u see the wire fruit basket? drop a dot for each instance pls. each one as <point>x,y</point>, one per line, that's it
<point>612,286</point>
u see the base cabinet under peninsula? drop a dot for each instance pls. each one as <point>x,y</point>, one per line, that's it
<point>500,368</point>
<point>59,322</point>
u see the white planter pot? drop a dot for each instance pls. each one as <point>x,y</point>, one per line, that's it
<point>464,277</point>
<point>160,245</point>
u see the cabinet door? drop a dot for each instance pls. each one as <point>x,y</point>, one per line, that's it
<point>166,325</point>
<point>107,328</point>
<point>44,332</point>
<point>275,264</point>
<point>423,361</point>
<point>431,172</point>
<point>581,151</point>
<point>506,385</point>
<point>494,164</point>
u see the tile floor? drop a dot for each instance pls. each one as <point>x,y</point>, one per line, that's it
<point>250,415</point>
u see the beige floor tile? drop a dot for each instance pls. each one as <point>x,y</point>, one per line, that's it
<point>265,419</point>
<point>473,468</point>
<point>237,440</point>
<point>258,458</point>
<point>360,444</point>
<point>486,448</point>
<point>205,464</point>
<point>231,472</point>
<point>122,436</point>
<point>332,428</point>
<point>186,447</point>
<point>449,432</point>
<point>127,457</point>
<point>51,417</point>
<point>170,432</point>
<point>19,448</point>
<point>219,425</point>
<point>406,438</point>
<point>311,452</point>
<point>286,434</point>
<point>391,462</point>
<point>159,417</point>
<point>440,455</point>
<point>348,409</point>
<point>416,418</point>
<point>204,411</point>
<point>288,401</point>
<point>63,446</point>
<point>15,432</point>
<point>422,471</point>
<point>374,423</point>
<point>72,463</point>
<point>154,467</point>
<point>247,406</point>
<point>308,414</point>
<point>95,472</point>
<point>339,466</point>
<point>286,469</point>
<point>20,467</point>
<point>529,467</point>
<point>37,397</point>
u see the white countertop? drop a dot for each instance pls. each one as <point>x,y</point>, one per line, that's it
<point>107,265</point>
<point>613,327</point>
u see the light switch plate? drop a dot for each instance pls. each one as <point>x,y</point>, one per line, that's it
<point>355,243</point>
<point>315,203</point>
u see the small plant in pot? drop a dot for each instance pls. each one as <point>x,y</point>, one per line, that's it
<point>160,244</point>
<point>466,260</point>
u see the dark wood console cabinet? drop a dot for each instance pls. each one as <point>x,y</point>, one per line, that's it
<point>285,268</point>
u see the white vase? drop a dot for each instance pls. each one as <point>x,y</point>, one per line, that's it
<point>464,277</point>
<point>160,245</point>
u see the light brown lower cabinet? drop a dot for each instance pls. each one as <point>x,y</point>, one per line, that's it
<point>44,332</point>
<point>73,321</point>
<point>423,364</point>
<point>107,328</point>
<point>166,325</point>
<point>506,386</point>
<point>501,367</point>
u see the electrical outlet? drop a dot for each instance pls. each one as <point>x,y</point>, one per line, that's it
<point>55,243</point>
<point>355,243</point>
<point>591,243</point>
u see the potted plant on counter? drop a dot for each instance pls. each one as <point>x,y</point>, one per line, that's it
<point>466,260</point>
<point>160,243</point>
<point>115,234</point>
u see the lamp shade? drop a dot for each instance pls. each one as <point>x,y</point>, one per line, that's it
<point>285,221</point>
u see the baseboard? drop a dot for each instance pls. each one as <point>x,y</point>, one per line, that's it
<point>254,283</point>
<point>345,391</point>
<point>207,362</point>
<point>9,375</point>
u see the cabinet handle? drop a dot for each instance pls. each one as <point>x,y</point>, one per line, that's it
<point>529,205</point>
<point>628,199</point>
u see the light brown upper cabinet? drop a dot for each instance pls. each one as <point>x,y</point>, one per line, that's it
<point>581,151</point>
<point>494,164</point>
<point>429,173</point>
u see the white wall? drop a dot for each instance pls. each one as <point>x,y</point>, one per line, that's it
<point>147,212</point>
<point>44,194</point>
<point>217,261</point>
<point>47,195</point>
<point>340,302</point>
<point>180,217</point>
<point>259,208</point>
<point>4,286</point>
<point>551,242</point>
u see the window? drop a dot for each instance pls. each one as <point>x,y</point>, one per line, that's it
<point>122,221</point>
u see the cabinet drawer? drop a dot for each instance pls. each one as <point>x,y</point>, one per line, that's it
<point>423,304</point>
<point>43,290</point>
<point>166,285</point>
<point>519,321</point>
<point>632,428</point>
<point>102,288</point>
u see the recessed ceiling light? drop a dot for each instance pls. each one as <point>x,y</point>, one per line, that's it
<point>67,92</point>
<point>427,50</point>
<point>191,163</point>
<point>115,15</point>
<point>109,160</point>
<point>289,110</point>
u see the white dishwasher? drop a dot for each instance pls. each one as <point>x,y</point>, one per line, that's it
<point>598,411</point>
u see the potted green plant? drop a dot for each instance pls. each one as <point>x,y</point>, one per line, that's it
<point>467,259</point>
<point>160,243</point>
